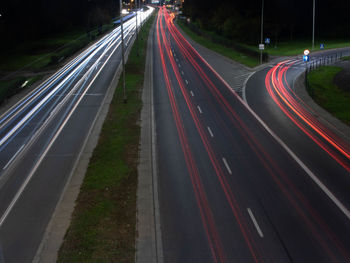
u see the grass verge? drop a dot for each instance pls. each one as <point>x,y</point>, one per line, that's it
<point>36,55</point>
<point>8,88</point>
<point>325,93</point>
<point>225,51</point>
<point>104,220</point>
<point>293,48</point>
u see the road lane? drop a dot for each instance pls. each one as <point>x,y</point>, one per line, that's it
<point>299,223</point>
<point>53,123</point>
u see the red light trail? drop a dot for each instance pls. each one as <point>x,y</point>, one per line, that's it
<point>279,90</point>
<point>302,206</point>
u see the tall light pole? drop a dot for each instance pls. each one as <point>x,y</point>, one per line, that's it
<point>123,58</point>
<point>313,25</point>
<point>137,34</point>
<point>262,29</point>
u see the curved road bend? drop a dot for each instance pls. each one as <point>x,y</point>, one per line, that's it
<point>229,192</point>
<point>41,138</point>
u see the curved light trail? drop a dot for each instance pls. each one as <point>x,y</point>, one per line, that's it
<point>232,113</point>
<point>280,91</point>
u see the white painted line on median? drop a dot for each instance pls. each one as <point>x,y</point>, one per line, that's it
<point>199,109</point>
<point>192,94</point>
<point>186,81</point>
<point>227,166</point>
<point>255,223</point>
<point>210,132</point>
<point>13,157</point>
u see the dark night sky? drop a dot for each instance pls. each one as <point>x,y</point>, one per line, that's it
<point>285,18</point>
<point>39,17</point>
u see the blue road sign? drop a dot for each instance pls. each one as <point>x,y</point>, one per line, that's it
<point>267,41</point>
<point>306,58</point>
<point>322,46</point>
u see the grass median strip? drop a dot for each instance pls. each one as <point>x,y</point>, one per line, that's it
<point>327,94</point>
<point>104,221</point>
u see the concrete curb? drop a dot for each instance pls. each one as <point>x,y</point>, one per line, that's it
<point>148,239</point>
<point>331,122</point>
<point>61,218</point>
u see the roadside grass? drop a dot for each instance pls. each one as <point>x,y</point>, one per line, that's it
<point>38,54</point>
<point>9,88</point>
<point>345,58</point>
<point>104,220</point>
<point>325,93</point>
<point>225,51</point>
<point>293,48</point>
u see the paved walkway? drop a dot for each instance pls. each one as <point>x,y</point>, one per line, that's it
<point>231,71</point>
<point>342,79</point>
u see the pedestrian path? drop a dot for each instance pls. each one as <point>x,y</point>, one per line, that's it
<point>234,73</point>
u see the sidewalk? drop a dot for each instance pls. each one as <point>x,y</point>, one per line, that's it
<point>231,71</point>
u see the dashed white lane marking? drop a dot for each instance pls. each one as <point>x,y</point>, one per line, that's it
<point>186,81</point>
<point>179,65</point>
<point>192,94</point>
<point>199,109</point>
<point>13,157</point>
<point>182,72</point>
<point>255,223</point>
<point>227,166</point>
<point>210,132</point>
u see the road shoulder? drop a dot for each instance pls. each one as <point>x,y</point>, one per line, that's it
<point>148,240</point>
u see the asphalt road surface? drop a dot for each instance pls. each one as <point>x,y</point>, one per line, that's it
<point>42,136</point>
<point>230,189</point>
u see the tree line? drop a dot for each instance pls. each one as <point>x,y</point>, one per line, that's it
<point>23,19</point>
<point>283,19</point>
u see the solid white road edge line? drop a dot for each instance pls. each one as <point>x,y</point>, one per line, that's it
<point>13,157</point>
<point>244,86</point>
<point>283,145</point>
<point>29,177</point>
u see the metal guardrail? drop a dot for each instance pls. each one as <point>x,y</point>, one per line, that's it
<point>318,62</point>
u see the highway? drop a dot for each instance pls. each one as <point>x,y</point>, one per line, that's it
<point>42,136</point>
<point>241,183</point>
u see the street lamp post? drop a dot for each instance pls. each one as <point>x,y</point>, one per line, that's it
<point>262,29</point>
<point>137,34</point>
<point>313,25</point>
<point>123,58</point>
